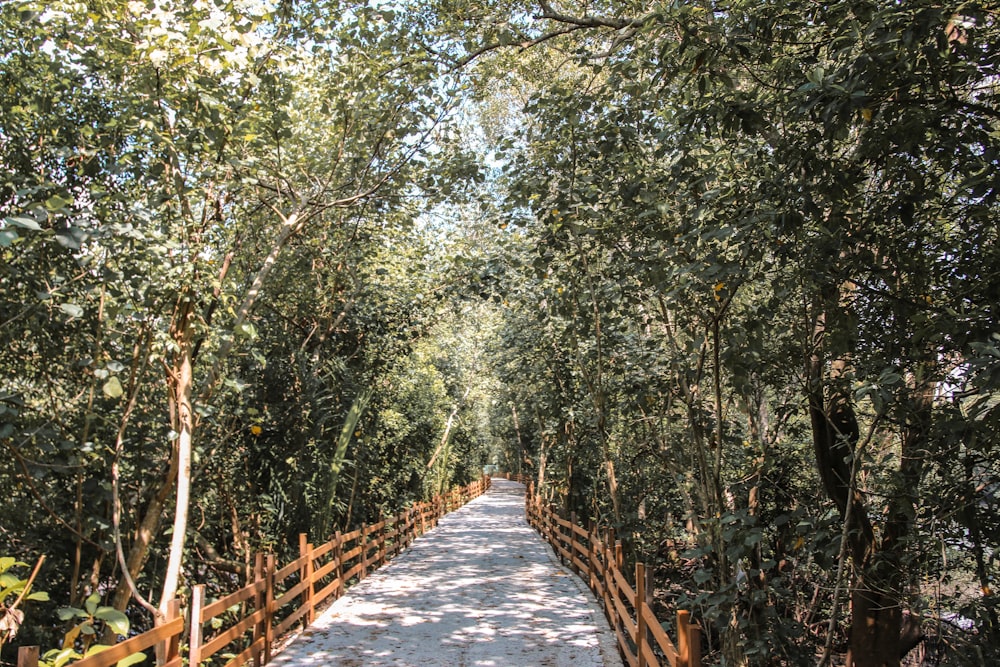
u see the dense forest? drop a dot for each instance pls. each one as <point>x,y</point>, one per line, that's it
<point>721,275</point>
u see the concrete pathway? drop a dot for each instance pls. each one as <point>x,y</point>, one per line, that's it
<point>482,589</point>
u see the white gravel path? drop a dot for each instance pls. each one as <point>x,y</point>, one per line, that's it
<point>482,589</point>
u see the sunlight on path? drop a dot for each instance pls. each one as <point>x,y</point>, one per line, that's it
<point>482,589</point>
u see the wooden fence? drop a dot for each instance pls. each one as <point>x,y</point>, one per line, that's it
<point>245,623</point>
<point>517,477</point>
<point>597,558</point>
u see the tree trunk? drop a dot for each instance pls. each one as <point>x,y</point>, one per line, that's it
<point>880,572</point>
<point>835,434</point>
<point>876,601</point>
<point>520,442</point>
<point>543,454</point>
<point>182,381</point>
<point>876,619</point>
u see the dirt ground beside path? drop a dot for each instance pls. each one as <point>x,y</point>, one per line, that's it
<point>481,590</point>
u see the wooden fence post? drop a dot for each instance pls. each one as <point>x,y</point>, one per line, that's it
<point>590,555</point>
<point>172,646</point>
<point>268,607</point>
<point>338,553</point>
<point>258,604</point>
<point>619,556</point>
<point>403,529</point>
<point>694,645</point>
<point>553,525</point>
<point>195,638</point>
<point>683,651</point>
<point>27,656</point>
<point>527,506</point>
<point>640,617</point>
<point>649,602</point>
<point>386,554</point>
<point>397,521</point>
<point>688,640</point>
<point>402,526</point>
<point>305,549</point>
<point>409,526</point>
<point>364,551</point>
<point>558,531</point>
<point>610,585</point>
<point>167,650</point>
<point>572,543</point>
<point>380,542</point>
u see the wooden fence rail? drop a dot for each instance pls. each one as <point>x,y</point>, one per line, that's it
<point>246,622</point>
<point>597,558</point>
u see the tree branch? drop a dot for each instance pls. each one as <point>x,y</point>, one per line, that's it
<point>523,45</point>
<point>584,21</point>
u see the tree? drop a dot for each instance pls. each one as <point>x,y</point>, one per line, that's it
<point>199,142</point>
<point>855,194</point>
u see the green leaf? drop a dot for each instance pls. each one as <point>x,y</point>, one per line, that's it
<point>248,330</point>
<point>69,239</point>
<point>23,222</point>
<point>133,659</point>
<point>66,613</point>
<point>40,596</point>
<point>71,309</point>
<point>62,657</point>
<point>115,619</point>
<point>90,604</point>
<point>56,202</point>
<point>701,576</point>
<point>113,388</point>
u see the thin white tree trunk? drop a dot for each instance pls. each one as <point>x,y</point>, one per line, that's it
<point>184,445</point>
<point>447,427</point>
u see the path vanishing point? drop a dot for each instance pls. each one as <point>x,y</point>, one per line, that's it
<point>481,590</point>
